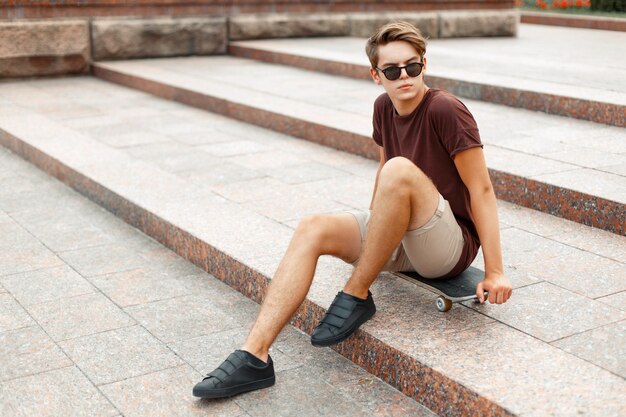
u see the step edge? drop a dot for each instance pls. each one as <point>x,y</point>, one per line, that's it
<point>253,284</point>
<point>363,146</point>
<point>567,106</point>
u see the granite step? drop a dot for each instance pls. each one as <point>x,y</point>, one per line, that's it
<point>227,195</point>
<point>91,307</point>
<point>570,168</point>
<point>517,72</point>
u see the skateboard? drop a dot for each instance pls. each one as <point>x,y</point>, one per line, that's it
<point>450,290</point>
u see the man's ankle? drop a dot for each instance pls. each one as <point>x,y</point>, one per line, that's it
<point>358,293</point>
<point>262,354</point>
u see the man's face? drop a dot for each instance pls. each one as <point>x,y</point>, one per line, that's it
<point>399,53</point>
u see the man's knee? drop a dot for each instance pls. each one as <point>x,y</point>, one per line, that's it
<point>400,174</point>
<point>312,230</point>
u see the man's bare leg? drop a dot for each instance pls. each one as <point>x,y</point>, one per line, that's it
<point>336,235</point>
<point>405,200</point>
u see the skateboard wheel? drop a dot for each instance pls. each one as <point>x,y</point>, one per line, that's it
<point>443,304</point>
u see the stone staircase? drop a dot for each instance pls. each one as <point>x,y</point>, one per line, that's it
<point>224,184</point>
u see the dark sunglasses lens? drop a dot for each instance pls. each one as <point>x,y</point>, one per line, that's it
<point>413,70</point>
<point>392,73</point>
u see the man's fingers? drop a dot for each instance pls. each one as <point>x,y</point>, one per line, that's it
<point>479,292</point>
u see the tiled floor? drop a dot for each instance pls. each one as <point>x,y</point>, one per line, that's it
<point>122,285</point>
<point>119,325</point>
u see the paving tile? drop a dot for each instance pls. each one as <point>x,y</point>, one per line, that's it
<point>406,312</point>
<point>220,174</point>
<point>534,145</point>
<point>256,189</point>
<point>82,315</point>
<point>140,286</point>
<point>352,191</point>
<point>523,164</point>
<point>614,169</point>
<point>12,315</point>
<point>28,351</point>
<point>61,392</point>
<point>616,300</point>
<point>281,400</point>
<point>21,252</point>
<point>286,209</point>
<point>531,377</point>
<point>380,399</point>
<point>598,241</point>
<point>588,158</point>
<point>173,157</point>
<point>365,169</point>
<point>267,160</point>
<point>46,285</point>
<point>167,393</point>
<point>534,221</point>
<point>581,272</point>
<point>112,258</point>
<point>604,346</point>
<point>550,313</point>
<point>520,247</point>
<point>591,181</point>
<point>232,148</point>
<point>306,172</point>
<point>122,140</point>
<point>119,354</point>
<point>206,136</point>
<point>181,318</point>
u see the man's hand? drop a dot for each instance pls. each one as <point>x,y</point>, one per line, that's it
<point>498,287</point>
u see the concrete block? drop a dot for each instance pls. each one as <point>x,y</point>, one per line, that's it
<point>32,48</point>
<point>143,38</point>
<point>460,24</point>
<point>282,25</point>
<point>363,25</point>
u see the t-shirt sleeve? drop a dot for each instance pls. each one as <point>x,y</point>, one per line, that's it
<point>454,124</point>
<point>377,121</point>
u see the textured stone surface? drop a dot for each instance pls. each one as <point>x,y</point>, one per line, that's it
<point>167,393</point>
<point>46,285</point>
<point>604,346</point>
<point>278,25</point>
<point>82,315</point>
<point>480,23</point>
<point>364,25</point>
<point>61,392</point>
<point>30,48</point>
<point>119,354</point>
<point>28,351</point>
<point>127,38</point>
<point>12,315</point>
<point>550,313</point>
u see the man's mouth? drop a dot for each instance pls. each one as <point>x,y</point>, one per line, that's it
<point>405,86</point>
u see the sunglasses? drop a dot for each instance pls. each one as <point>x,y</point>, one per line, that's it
<point>393,73</point>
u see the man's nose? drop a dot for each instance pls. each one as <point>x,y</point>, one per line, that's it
<point>403,73</point>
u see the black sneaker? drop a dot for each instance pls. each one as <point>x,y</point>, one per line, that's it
<point>344,316</point>
<point>237,374</point>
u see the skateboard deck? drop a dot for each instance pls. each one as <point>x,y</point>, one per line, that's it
<point>451,290</point>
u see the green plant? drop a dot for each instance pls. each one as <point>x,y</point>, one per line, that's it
<point>609,5</point>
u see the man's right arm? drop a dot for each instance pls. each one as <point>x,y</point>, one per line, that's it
<point>380,167</point>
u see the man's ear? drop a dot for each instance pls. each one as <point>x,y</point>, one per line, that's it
<point>375,75</point>
<point>424,67</point>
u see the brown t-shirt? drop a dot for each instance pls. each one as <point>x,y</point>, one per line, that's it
<point>439,128</point>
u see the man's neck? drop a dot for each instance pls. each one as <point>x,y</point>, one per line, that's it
<point>405,107</point>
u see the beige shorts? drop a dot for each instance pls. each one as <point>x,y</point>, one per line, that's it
<point>431,250</point>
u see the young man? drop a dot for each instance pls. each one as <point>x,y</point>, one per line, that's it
<point>433,206</point>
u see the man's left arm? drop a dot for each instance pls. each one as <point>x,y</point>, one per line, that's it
<point>472,168</point>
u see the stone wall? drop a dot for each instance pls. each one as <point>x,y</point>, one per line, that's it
<point>25,9</point>
<point>57,46</point>
<point>44,48</point>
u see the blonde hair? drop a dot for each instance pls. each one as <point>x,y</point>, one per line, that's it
<point>394,31</point>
